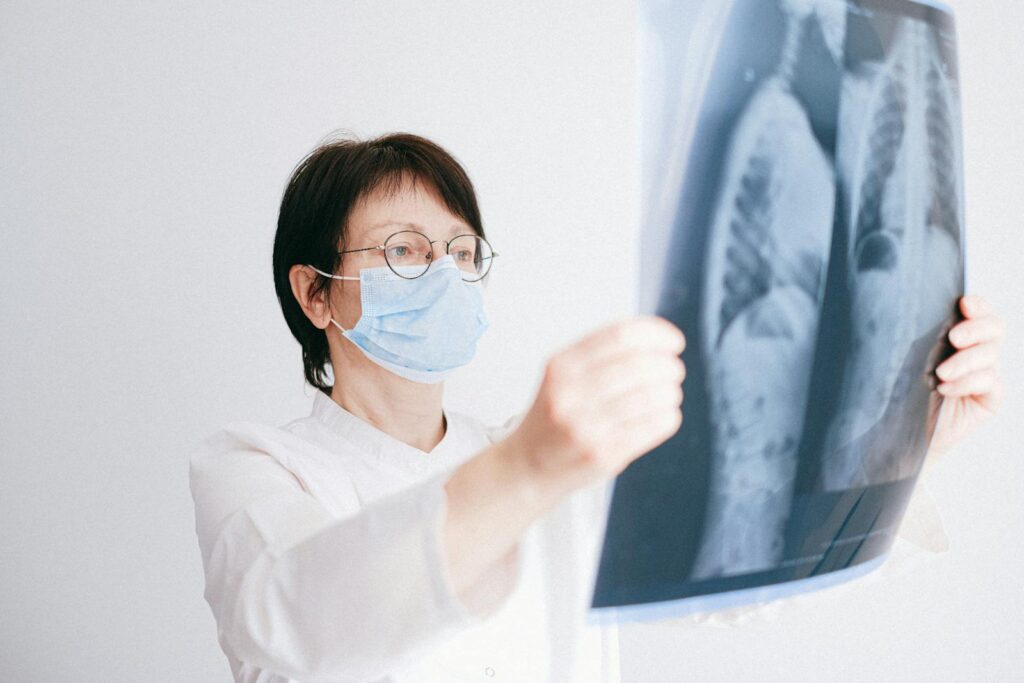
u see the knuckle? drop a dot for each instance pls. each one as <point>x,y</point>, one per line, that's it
<point>672,422</point>
<point>554,409</point>
<point>554,367</point>
<point>673,394</point>
<point>672,372</point>
<point>557,372</point>
<point>678,335</point>
<point>619,332</point>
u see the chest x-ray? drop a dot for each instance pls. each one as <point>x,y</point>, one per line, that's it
<point>803,224</point>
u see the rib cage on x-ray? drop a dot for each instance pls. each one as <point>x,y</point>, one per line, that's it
<point>803,225</point>
<point>766,260</point>
<point>767,256</point>
<point>904,252</point>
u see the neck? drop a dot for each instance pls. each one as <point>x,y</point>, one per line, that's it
<point>409,411</point>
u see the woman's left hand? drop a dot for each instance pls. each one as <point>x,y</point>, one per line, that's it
<point>969,379</point>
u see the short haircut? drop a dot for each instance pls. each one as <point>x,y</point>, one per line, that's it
<point>320,195</point>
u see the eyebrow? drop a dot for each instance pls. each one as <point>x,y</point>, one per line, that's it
<point>455,229</point>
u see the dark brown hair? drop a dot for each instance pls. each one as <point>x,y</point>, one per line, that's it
<point>317,202</point>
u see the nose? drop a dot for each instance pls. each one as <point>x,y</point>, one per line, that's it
<point>437,250</point>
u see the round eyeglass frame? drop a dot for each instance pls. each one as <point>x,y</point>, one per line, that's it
<point>447,244</point>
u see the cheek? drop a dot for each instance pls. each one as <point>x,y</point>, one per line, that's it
<point>348,303</point>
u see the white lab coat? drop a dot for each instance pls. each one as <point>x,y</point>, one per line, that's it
<point>322,553</point>
<point>321,548</point>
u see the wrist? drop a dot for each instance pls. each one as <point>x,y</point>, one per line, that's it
<point>534,491</point>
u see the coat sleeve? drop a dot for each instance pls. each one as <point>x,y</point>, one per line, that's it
<point>298,591</point>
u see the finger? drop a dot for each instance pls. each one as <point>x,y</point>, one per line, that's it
<point>632,370</point>
<point>638,372</point>
<point>643,434</point>
<point>634,404</point>
<point>975,306</point>
<point>636,332</point>
<point>994,398</point>
<point>976,358</point>
<point>606,364</point>
<point>976,331</point>
<point>974,384</point>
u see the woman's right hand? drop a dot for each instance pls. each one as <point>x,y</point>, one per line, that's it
<point>603,402</point>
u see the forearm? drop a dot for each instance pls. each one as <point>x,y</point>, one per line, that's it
<point>303,593</point>
<point>492,500</point>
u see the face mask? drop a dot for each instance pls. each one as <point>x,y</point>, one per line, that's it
<point>422,328</point>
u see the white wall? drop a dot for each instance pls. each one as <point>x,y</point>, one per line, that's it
<point>144,151</point>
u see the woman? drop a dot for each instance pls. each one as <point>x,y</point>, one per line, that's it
<point>387,538</point>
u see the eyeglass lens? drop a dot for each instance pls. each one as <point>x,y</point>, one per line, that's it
<point>411,251</point>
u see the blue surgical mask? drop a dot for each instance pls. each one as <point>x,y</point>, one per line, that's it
<point>421,328</point>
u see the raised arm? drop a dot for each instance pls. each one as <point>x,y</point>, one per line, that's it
<point>300,592</point>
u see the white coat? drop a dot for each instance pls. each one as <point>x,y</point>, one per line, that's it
<point>322,554</point>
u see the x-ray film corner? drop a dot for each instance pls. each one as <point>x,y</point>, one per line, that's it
<point>921,538</point>
<point>813,252</point>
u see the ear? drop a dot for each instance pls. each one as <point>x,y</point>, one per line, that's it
<point>302,279</point>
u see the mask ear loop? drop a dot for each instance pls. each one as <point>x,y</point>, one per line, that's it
<point>336,277</point>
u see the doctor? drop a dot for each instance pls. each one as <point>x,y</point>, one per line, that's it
<point>387,538</point>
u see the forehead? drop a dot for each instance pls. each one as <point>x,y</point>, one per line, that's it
<point>421,208</point>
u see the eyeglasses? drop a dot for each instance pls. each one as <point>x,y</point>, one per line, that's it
<point>413,252</point>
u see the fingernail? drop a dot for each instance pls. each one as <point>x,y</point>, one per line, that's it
<point>943,388</point>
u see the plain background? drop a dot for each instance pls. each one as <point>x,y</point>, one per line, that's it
<point>145,148</point>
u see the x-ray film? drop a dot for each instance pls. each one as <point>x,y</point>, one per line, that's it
<point>803,225</point>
